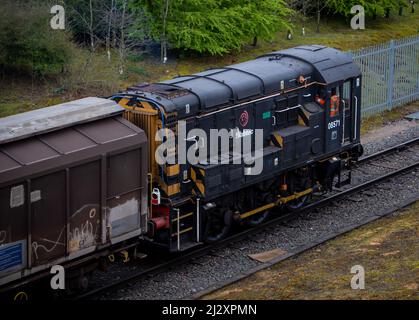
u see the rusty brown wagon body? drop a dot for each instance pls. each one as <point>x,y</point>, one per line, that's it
<point>72,182</point>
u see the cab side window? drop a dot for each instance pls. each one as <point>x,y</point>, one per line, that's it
<point>346,95</point>
<point>334,102</point>
<point>320,97</point>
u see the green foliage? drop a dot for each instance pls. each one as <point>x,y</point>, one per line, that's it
<point>135,58</point>
<point>137,71</point>
<point>28,45</point>
<point>215,26</point>
<point>372,8</point>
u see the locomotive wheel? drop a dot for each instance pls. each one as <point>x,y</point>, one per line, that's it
<point>83,283</point>
<point>218,226</point>
<point>296,204</point>
<point>258,218</point>
<point>260,196</point>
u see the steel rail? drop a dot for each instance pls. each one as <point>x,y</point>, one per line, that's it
<point>400,147</point>
<point>207,249</point>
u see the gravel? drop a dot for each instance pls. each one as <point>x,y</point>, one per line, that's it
<point>212,270</point>
<point>390,135</point>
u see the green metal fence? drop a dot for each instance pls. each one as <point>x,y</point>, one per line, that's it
<point>390,74</point>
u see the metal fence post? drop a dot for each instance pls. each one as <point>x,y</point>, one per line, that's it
<point>417,89</point>
<point>390,84</point>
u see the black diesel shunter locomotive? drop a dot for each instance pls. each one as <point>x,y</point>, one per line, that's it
<point>79,181</point>
<point>307,101</point>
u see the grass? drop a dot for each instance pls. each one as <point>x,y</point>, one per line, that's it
<point>387,249</point>
<point>88,75</point>
<point>94,75</point>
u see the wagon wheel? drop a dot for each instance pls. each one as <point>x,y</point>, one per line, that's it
<point>218,225</point>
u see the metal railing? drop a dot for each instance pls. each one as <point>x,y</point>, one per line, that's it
<point>390,74</point>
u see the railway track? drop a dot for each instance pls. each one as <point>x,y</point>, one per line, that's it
<point>400,147</point>
<point>208,249</point>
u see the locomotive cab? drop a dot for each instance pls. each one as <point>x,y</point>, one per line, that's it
<point>343,116</point>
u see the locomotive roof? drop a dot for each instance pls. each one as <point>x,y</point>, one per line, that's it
<point>63,115</point>
<point>264,75</point>
<point>330,64</point>
<point>240,81</point>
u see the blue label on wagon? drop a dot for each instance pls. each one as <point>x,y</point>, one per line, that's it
<point>10,256</point>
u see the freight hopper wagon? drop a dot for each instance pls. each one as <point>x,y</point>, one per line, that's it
<point>72,186</point>
<point>307,101</point>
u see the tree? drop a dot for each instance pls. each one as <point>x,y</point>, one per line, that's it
<point>122,38</point>
<point>373,8</point>
<point>86,21</point>
<point>28,45</point>
<point>319,8</point>
<point>214,26</point>
<point>306,8</point>
<point>110,23</point>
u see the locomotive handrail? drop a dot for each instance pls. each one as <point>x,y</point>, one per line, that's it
<point>356,115</point>
<point>198,236</point>
<point>343,121</point>
<point>260,99</point>
<point>178,228</point>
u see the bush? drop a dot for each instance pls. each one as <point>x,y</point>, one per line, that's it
<point>28,45</point>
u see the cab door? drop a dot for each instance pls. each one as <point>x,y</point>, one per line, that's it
<point>347,102</point>
<point>333,127</point>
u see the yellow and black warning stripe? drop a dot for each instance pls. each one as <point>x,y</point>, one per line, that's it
<point>197,176</point>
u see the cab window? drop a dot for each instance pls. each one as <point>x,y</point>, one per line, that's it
<point>334,102</point>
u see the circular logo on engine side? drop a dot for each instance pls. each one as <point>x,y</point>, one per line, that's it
<point>244,119</point>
